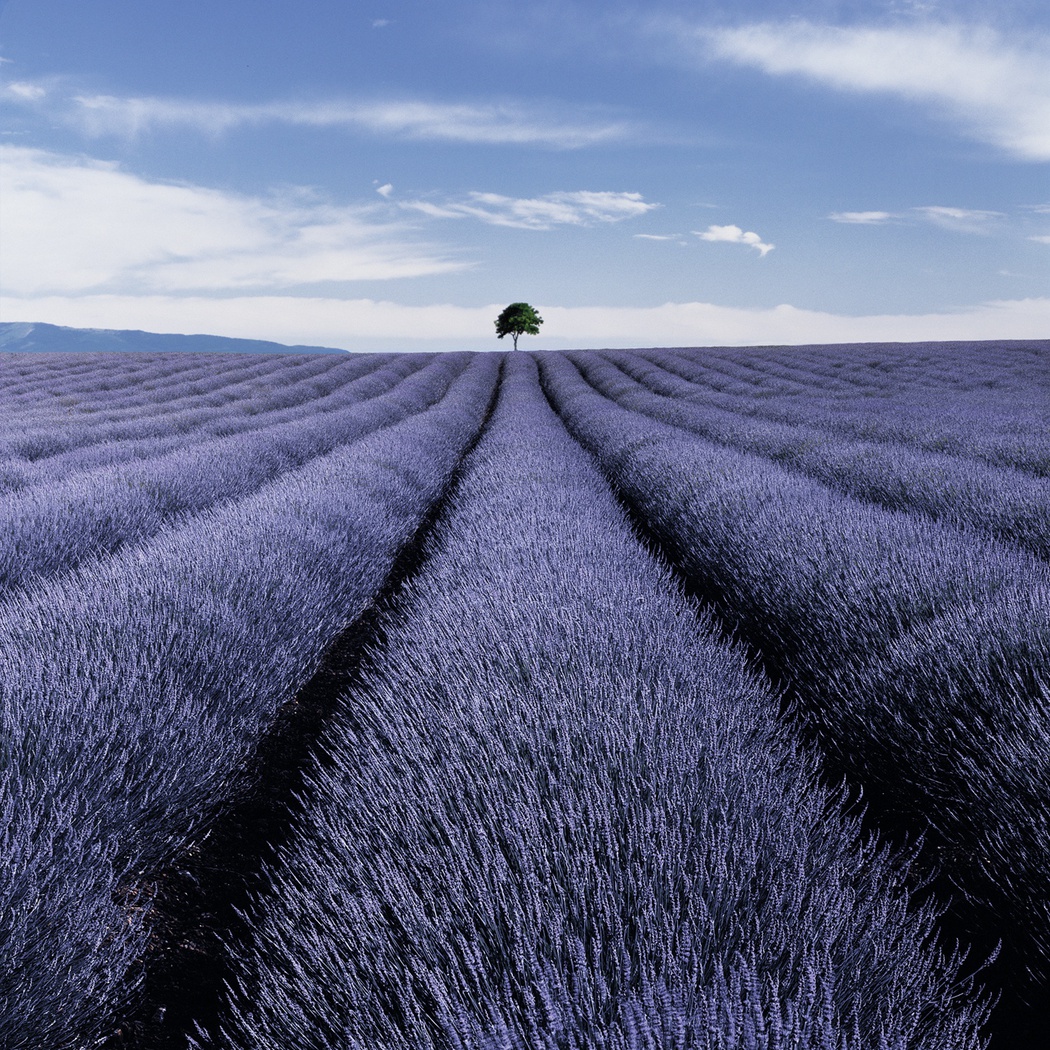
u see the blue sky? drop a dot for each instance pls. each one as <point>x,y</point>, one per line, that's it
<point>389,175</point>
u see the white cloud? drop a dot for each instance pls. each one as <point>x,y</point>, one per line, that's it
<point>79,225</point>
<point>494,123</point>
<point>22,91</point>
<point>566,208</point>
<point>862,218</point>
<point>996,88</point>
<point>385,190</point>
<point>735,235</point>
<point>962,220</point>
<point>363,324</point>
<point>1041,239</point>
<point>657,236</point>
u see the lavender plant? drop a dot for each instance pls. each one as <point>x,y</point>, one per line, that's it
<point>828,591</point>
<point>64,421</point>
<point>978,401</point>
<point>53,528</point>
<point>1004,503</point>
<point>261,404</point>
<point>134,689</point>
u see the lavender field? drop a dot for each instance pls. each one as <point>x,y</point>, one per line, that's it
<point>627,700</point>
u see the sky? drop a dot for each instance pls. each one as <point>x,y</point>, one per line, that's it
<point>389,175</point>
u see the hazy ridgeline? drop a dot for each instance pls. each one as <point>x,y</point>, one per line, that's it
<point>584,771</point>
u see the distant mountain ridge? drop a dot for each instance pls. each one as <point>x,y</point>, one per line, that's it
<point>36,338</point>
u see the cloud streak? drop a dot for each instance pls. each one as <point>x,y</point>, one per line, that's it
<point>488,123</point>
<point>735,235</point>
<point>994,87</point>
<point>22,91</point>
<point>958,220</point>
<point>962,220</point>
<point>73,225</point>
<point>863,218</point>
<point>566,208</point>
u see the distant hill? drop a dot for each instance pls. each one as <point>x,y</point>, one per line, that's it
<point>51,338</point>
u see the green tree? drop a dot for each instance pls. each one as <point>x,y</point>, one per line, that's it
<point>516,319</point>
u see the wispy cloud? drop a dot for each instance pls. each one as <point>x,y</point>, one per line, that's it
<point>494,123</point>
<point>959,220</point>
<point>735,235</point>
<point>657,236</point>
<point>1041,238</point>
<point>23,91</point>
<point>962,220</point>
<point>994,87</point>
<point>862,218</point>
<point>73,225</point>
<point>569,208</point>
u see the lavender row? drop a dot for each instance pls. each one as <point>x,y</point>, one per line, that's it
<point>54,420</point>
<point>89,381</point>
<point>919,656</point>
<point>191,408</point>
<point>569,820</point>
<point>133,691</point>
<point>154,436</point>
<point>995,419</point>
<point>28,374</point>
<point>217,386</point>
<point>52,528</point>
<point>1006,384</point>
<point>93,374</point>
<point>1006,504</point>
<point>978,421</point>
<point>1002,428</point>
<point>851,373</point>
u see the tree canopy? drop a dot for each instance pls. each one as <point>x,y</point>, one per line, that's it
<point>518,319</point>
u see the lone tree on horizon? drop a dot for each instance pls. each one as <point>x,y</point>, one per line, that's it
<point>518,319</point>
